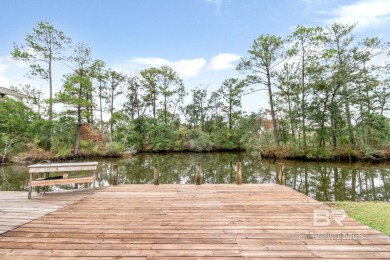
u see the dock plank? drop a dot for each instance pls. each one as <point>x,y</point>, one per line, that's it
<point>16,210</point>
<point>185,222</point>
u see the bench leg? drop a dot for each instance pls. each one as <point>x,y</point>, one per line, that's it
<point>29,192</point>
<point>29,187</point>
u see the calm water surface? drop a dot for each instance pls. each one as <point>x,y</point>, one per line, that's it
<point>320,180</point>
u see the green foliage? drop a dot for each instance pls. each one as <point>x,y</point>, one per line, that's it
<point>114,148</point>
<point>85,145</point>
<point>137,132</point>
<point>222,138</point>
<point>319,153</point>
<point>15,126</point>
<point>252,142</point>
<point>199,140</point>
<point>63,151</point>
<point>96,149</point>
<point>265,53</point>
<point>162,138</point>
<point>230,93</point>
<point>327,100</point>
<point>380,129</point>
<point>43,47</point>
<point>47,44</point>
<point>64,129</point>
<point>197,110</point>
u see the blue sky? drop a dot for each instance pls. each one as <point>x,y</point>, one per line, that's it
<point>202,39</point>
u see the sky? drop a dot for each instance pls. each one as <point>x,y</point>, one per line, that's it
<point>203,40</point>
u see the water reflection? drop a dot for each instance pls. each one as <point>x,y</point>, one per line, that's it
<point>319,180</point>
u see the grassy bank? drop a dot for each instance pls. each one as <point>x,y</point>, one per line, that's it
<point>31,152</point>
<point>373,214</point>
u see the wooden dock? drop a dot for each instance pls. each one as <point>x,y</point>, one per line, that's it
<point>15,210</point>
<point>191,222</point>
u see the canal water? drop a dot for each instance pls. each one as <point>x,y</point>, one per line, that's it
<point>324,181</point>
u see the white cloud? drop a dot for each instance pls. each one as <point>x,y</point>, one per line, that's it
<point>3,65</point>
<point>223,61</point>
<point>366,13</point>
<point>380,59</point>
<point>186,68</point>
<point>189,68</point>
<point>4,81</point>
<point>150,62</point>
<point>293,27</point>
<point>14,73</point>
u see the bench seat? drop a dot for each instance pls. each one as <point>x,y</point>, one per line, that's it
<point>43,182</point>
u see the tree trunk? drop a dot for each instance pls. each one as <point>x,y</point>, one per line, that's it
<point>368,106</point>
<point>274,123</point>
<point>111,112</point>
<point>290,116</point>
<point>77,141</point>
<point>230,115</point>
<point>165,110</point>
<point>78,129</point>
<point>101,106</point>
<point>154,103</point>
<point>303,105</point>
<point>91,107</point>
<point>322,131</point>
<point>49,131</point>
<point>349,120</point>
<point>346,96</point>
<point>333,125</point>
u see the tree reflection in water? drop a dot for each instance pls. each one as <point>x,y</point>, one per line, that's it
<point>322,181</point>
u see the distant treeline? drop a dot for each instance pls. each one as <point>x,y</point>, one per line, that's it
<point>327,99</point>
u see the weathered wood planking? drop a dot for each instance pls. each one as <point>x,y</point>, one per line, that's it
<point>63,167</point>
<point>62,181</point>
<point>16,210</point>
<point>190,222</point>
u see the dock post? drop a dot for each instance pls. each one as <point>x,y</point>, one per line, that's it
<point>115,171</point>
<point>280,175</point>
<point>197,174</point>
<point>156,175</point>
<point>239,173</point>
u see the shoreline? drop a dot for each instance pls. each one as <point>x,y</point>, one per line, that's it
<point>274,153</point>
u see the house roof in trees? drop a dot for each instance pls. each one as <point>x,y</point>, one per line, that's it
<point>9,92</point>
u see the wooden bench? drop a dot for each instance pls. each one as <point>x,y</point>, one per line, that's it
<point>65,178</point>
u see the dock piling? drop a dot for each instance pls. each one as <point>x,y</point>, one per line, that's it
<point>197,174</point>
<point>156,175</point>
<point>280,174</point>
<point>239,173</point>
<point>115,173</point>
